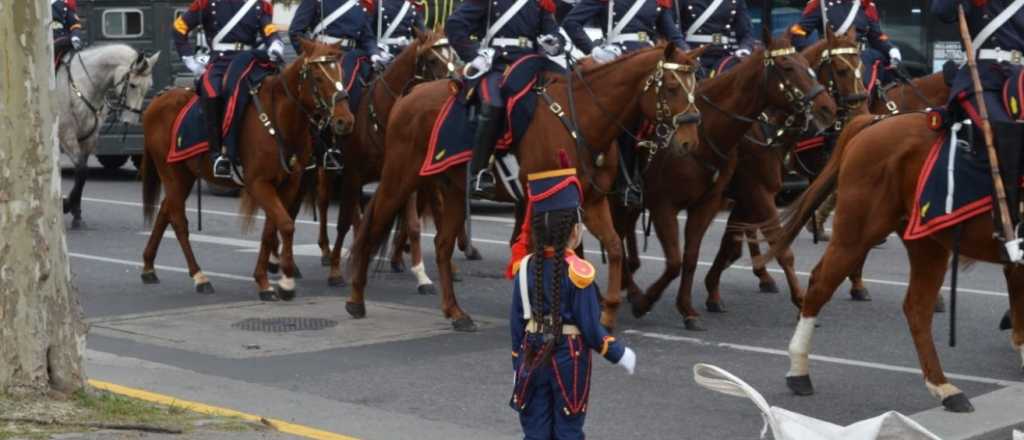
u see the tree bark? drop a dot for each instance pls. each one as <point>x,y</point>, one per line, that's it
<point>42,335</point>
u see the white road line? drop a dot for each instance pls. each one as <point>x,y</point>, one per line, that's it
<point>819,358</point>
<point>590,252</point>
<point>157,266</point>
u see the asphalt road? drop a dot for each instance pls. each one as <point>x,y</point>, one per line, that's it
<point>464,378</point>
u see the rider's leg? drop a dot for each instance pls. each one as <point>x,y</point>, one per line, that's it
<point>627,182</point>
<point>213,107</point>
<point>482,182</point>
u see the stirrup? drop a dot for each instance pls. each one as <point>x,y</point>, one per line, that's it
<point>332,160</point>
<point>222,167</point>
<point>483,184</point>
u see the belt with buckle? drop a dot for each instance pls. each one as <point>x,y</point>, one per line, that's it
<point>716,39</point>
<point>513,42</point>
<point>632,37</point>
<point>345,43</point>
<point>567,329</point>
<point>400,41</point>
<point>1001,56</point>
<point>230,47</point>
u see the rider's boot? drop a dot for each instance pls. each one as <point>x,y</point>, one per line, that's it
<point>627,181</point>
<point>481,180</point>
<point>214,109</point>
<point>1009,137</point>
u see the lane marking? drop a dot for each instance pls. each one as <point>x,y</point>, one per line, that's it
<point>590,252</point>
<point>155,266</point>
<point>202,408</point>
<point>819,358</point>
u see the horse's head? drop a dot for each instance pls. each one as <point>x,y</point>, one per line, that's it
<point>669,99</point>
<point>321,70</point>
<point>792,86</point>
<point>841,70</point>
<point>132,84</point>
<point>435,58</point>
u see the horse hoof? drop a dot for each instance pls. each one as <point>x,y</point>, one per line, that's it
<point>860,295</point>
<point>715,307</point>
<point>464,324</point>
<point>66,206</point>
<point>285,295</point>
<point>456,278</point>
<point>269,295</point>
<point>397,267</point>
<point>357,311</point>
<point>427,289</point>
<point>940,305</point>
<point>77,223</point>
<point>768,287</point>
<point>150,278</point>
<point>637,306</point>
<point>693,324</point>
<point>205,288</point>
<point>1005,324</point>
<point>336,281</point>
<point>296,273</point>
<point>273,267</point>
<point>958,403</point>
<point>325,261</point>
<point>472,254</point>
<point>800,385</point>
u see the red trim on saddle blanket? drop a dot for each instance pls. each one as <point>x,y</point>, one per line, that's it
<point>809,144</point>
<point>427,169</point>
<point>915,229</point>
<point>175,155</point>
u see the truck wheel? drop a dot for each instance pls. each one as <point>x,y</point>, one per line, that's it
<point>112,163</point>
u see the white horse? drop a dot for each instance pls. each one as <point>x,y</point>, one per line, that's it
<point>91,84</point>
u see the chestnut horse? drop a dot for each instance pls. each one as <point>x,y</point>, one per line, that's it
<point>303,90</point>
<point>777,76</point>
<point>657,83</point>
<point>875,171</point>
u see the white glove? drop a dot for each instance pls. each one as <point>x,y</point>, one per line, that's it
<point>551,44</point>
<point>276,50</point>
<point>628,361</point>
<point>481,64</point>
<point>76,43</point>
<point>381,60</point>
<point>741,53</point>
<point>895,57</point>
<point>194,65</point>
<point>606,53</point>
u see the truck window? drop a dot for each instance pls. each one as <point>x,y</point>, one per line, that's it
<point>122,23</point>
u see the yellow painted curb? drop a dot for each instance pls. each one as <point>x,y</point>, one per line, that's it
<point>202,408</point>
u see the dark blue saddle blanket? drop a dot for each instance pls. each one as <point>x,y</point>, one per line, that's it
<point>189,135</point>
<point>451,140</point>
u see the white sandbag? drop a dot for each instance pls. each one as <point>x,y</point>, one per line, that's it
<point>788,425</point>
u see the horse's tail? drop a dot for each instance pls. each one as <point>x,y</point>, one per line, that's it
<point>794,219</point>
<point>369,246</point>
<point>150,186</point>
<point>247,211</point>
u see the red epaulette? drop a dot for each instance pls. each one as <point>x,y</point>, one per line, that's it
<point>267,7</point>
<point>197,5</point>
<point>870,10</point>
<point>811,7</point>
<point>368,4</point>
<point>666,4</point>
<point>420,5</point>
<point>72,5</point>
<point>547,5</point>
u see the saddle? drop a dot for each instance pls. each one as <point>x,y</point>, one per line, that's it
<point>189,136</point>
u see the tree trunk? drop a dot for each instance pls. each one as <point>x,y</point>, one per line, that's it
<point>42,336</point>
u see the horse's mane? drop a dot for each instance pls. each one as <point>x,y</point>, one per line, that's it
<point>728,78</point>
<point>112,54</point>
<point>599,69</point>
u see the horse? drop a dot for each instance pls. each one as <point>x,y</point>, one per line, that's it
<point>657,83</point>
<point>917,94</point>
<point>779,77</point>
<point>91,84</point>
<point>276,150</point>
<point>875,171</point>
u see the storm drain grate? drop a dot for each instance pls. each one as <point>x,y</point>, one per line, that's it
<point>282,325</point>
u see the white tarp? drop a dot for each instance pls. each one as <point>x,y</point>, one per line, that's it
<point>788,425</point>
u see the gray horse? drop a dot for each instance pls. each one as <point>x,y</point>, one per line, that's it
<point>92,84</point>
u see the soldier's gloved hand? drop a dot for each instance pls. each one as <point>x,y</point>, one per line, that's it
<point>742,52</point>
<point>194,65</point>
<point>628,361</point>
<point>895,57</point>
<point>381,60</point>
<point>76,42</point>
<point>276,51</point>
<point>551,44</point>
<point>606,53</point>
<point>481,64</point>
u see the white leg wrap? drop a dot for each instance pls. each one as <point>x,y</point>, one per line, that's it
<point>942,391</point>
<point>286,283</point>
<point>1020,351</point>
<point>800,347</point>
<point>421,274</point>
<point>274,259</point>
<point>344,253</point>
<point>200,278</point>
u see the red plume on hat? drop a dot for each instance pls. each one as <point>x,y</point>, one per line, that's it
<point>522,245</point>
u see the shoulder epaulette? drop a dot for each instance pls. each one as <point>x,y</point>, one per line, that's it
<point>581,272</point>
<point>811,7</point>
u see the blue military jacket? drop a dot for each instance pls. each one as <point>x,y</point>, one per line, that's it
<point>413,19</point>
<point>212,15</point>
<point>579,304</point>
<point>65,19</point>
<point>356,24</point>
<point>731,19</point>
<point>473,17</point>
<point>866,23</point>
<point>1010,36</point>
<point>653,19</point>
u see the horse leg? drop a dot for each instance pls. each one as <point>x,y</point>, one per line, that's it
<point>858,291</point>
<point>663,216</point>
<point>450,223</point>
<point>697,223</point>
<point>268,242</point>
<point>765,282</point>
<point>628,232</point>
<point>1015,288</point>
<point>271,201</point>
<point>323,199</point>
<point>175,194</point>
<point>400,241</point>
<point>765,213</point>
<point>413,228</point>
<point>928,260</point>
<point>153,245</point>
<point>730,250</point>
<point>350,193</point>
<point>73,204</point>
<point>598,219</point>
<point>467,248</point>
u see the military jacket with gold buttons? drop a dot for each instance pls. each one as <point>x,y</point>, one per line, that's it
<point>866,22</point>
<point>65,19</point>
<point>730,19</point>
<point>653,21</point>
<point>256,25</point>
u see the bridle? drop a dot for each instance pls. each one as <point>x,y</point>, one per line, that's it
<point>117,105</point>
<point>440,50</point>
<point>320,116</point>
<point>665,122</point>
<point>849,102</point>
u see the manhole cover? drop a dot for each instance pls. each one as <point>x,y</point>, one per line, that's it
<point>281,325</point>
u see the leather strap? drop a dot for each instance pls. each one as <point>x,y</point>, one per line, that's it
<point>233,22</point>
